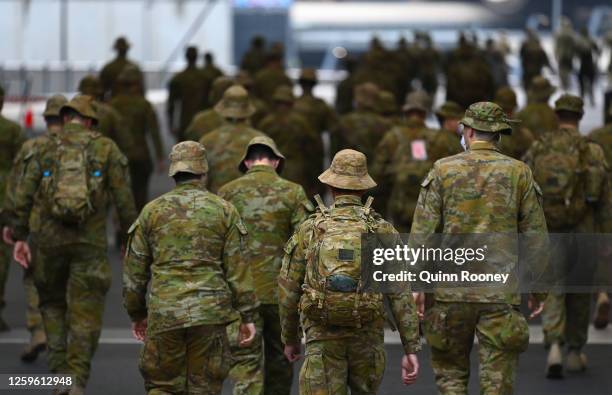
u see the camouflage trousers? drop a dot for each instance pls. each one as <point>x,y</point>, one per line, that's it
<point>565,319</point>
<point>72,283</point>
<point>140,173</point>
<point>333,366</point>
<point>502,334</point>
<point>253,375</point>
<point>5,262</point>
<point>34,320</point>
<point>192,360</point>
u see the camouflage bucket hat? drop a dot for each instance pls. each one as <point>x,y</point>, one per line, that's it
<point>487,117</point>
<point>82,105</point>
<point>90,85</point>
<point>235,104</point>
<point>570,103</point>
<point>506,98</point>
<point>54,105</point>
<point>308,75</point>
<point>265,141</point>
<point>121,43</point>
<point>450,110</point>
<point>366,95</point>
<point>348,170</point>
<point>283,94</point>
<point>219,86</point>
<point>387,103</point>
<point>188,157</point>
<point>541,88</point>
<point>417,101</point>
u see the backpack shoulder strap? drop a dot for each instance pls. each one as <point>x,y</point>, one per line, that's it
<point>322,207</point>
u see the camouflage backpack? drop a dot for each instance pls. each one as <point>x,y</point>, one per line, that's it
<point>68,189</point>
<point>560,171</point>
<point>333,289</point>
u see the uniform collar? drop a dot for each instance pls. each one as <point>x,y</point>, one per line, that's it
<point>413,122</point>
<point>191,184</point>
<point>483,145</point>
<point>569,129</point>
<point>261,168</point>
<point>347,200</point>
<point>72,127</point>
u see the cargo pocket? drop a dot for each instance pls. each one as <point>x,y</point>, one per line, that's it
<point>377,370</point>
<point>514,336</point>
<point>313,378</point>
<point>149,363</point>
<point>435,328</point>
<point>218,363</point>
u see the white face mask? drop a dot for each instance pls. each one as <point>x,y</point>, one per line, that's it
<point>463,144</point>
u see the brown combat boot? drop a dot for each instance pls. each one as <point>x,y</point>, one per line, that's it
<point>554,363</point>
<point>602,311</point>
<point>38,343</point>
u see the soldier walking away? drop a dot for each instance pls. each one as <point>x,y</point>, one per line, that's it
<point>468,193</point>
<point>210,70</point>
<point>555,159</point>
<point>346,87</point>
<point>268,79</point>
<point>255,58</point>
<point>110,72</point>
<point>187,234</point>
<point>69,180</point>
<point>538,116</point>
<point>588,51</point>
<point>516,144</point>
<point>320,290</point>
<point>565,52</point>
<point>34,323</point>
<point>533,58</point>
<point>226,144</point>
<point>187,94</point>
<point>139,115</point>
<point>208,120</point>
<point>449,114</point>
<point>271,208</point>
<point>320,116</point>
<point>11,138</point>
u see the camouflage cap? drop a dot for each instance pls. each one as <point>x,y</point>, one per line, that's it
<point>188,157</point>
<point>366,95</point>
<point>54,105</point>
<point>219,86</point>
<point>308,75</point>
<point>387,103</point>
<point>130,74</point>
<point>417,101</point>
<point>348,170</point>
<point>487,117</point>
<point>90,85</point>
<point>506,99</point>
<point>81,104</point>
<point>450,110</point>
<point>265,141</point>
<point>540,89</point>
<point>121,43</point>
<point>235,103</point>
<point>571,103</point>
<point>283,94</point>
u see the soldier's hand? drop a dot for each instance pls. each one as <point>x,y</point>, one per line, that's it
<point>246,334</point>
<point>139,329</point>
<point>22,254</point>
<point>292,352</point>
<point>410,368</point>
<point>535,307</point>
<point>419,300</point>
<point>7,236</point>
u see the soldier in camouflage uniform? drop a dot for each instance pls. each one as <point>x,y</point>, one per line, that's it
<point>268,79</point>
<point>261,107</point>
<point>255,58</point>
<point>34,323</point>
<point>449,114</point>
<point>448,204</point>
<point>187,94</point>
<point>11,138</point>
<point>565,51</point>
<point>388,108</point>
<point>521,139</point>
<point>565,320</point>
<point>271,208</point>
<point>110,123</point>
<point>341,357</point>
<point>537,116</point>
<point>320,116</point>
<point>110,72</point>
<point>72,273</point>
<point>346,88</point>
<point>139,115</point>
<point>208,120</point>
<point>187,236</point>
<point>225,145</point>
<point>296,138</point>
<point>363,128</point>
<point>533,58</point>
<point>210,70</point>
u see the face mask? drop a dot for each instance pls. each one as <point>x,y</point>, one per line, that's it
<point>463,144</point>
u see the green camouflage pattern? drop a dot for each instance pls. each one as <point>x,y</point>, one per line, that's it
<point>247,370</point>
<point>502,334</point>
<point>267,80</point>
<point>187,94</point>
<point>192,360</point>
<point>109,75</point>
<point>450,109</point>
<point>189,157</point>
<point>224,147</point>
<point>271,208</point>
<point>361,130</point>
<point>603,137</point>
<point>167,244</point>
<point>487,117</point>
<point>517,144</point>
<point>507,202</point>
<point>570,103</point>
<point>539,118</point>
<point>203,123</point>
<point>111,124</point>
<point>348,170</point>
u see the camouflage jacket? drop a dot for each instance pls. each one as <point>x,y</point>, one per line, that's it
<point>113,185</point>
<point>267,80</point>
<point>141,121</point>
<point>189,245</point>
<point>187,94</point>
<point>603,137</point>
<point>111,125</point>
<point>11,139</point>
<point>359,130</point>
<point>539,118</point>
<point>224,148</point>
<point>110,72</point>
<point>292,277</point>
<point>479,191</point>
<point>203,123</point>
<point>301,145</point>
<point>318,114</point>
<point>253,60</point>
<point>271,208</point>
<point>517,144</point>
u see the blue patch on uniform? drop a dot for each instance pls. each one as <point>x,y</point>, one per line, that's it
<point>97,173</point>
<point>46,173</point>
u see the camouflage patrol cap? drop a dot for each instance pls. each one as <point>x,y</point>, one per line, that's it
<point>235,103</point>
<point>487,117</point>
<point>387,103</point>
<point>366,95</point>
<point>283,94</point>
<point>571,103</point>
<point>188,157</point>
<point>348,170</point>
<point>265,141</point>
<point>81,104</point>
<point>417,101</point>
<point>121,43</point>
<point>450,110</point>
<point>90,85</point>
<point>129,74</point>
<point>541,89</point>
<point>308,75</point>
<point>219,86</point>
<point>506,99</point>
<point>54,105</point>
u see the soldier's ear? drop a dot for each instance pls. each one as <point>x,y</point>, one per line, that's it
<point>275,163</point>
